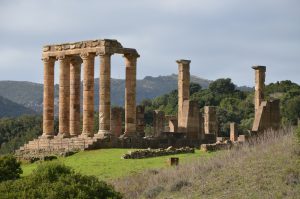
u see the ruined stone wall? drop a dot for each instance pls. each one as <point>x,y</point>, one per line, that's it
<point>267,116</point>
<point>211,120</point>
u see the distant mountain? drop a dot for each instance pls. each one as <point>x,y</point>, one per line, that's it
<point>12,109</point>
<point>30,95</point>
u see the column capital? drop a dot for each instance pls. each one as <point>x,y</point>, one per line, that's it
<point>63,57</point>
<point>86,55</point>
<point>131,55</point>
<point>102,54</point>
<point>48,59</point>
<point>259,67</point>
<point>183,61</point>
<point>76,60</point>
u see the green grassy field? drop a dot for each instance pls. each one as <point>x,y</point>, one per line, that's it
<point>107,164</point>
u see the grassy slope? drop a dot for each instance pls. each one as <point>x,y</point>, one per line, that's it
<point>270,169</point>
<point>107,163</point>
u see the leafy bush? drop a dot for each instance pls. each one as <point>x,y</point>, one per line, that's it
<point>9,168</point>
<point>57,181</point>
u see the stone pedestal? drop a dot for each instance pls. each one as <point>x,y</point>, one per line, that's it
<point>64,96</point>
<point>75,83</point>
<point>130,95</point>
<point>183,89</point>
<point>48,107</point>
<point>88,94</point>
<point>104,95</point>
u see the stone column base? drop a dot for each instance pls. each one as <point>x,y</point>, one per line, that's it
<point>103,134</point>
<point>46,136</point>
<point>63,135</point>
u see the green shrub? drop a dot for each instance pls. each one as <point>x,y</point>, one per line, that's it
<point>9,168</point>
<point>57,181</point>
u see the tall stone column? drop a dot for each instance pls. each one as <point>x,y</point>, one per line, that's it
<point>130,95</point>
<point>64,96</point>
<point>75,70</point>
<point>88,94</point>
<point>183,89</point>
<point>260,72</point>
<point>104,95</point>
<point>48,104</point>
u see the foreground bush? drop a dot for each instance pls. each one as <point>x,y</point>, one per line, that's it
<point>9,168</point>
<point>57,181</point>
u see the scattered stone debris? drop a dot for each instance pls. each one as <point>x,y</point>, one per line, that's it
<point>147,153</point>
<point>227,144</point>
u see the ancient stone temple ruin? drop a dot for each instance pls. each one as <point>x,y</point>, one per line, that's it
<point>267,113</point>
<point>190,127</point>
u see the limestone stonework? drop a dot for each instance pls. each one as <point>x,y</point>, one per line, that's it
<point>104,94</point>
<point>140,120</point>
<point>259,85</point>
<point>116,121</point>
<point>64,96</point>
<point>75,82</point>
<point>70,56</point>
<point>210,120</point>
<point>158,122</point>
<point>192,121</point>
<point>173,123</point>
<point>183,90</point>
<point>130,95</point>
<point>267,113</point>
<point>88,94</point>
<point>233,132</point>
<point>48,108</point>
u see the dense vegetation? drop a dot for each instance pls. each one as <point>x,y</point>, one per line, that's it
<point>14,132</point>
<point>232,104</point>
<point>10,168</point>
<point>57,181</point>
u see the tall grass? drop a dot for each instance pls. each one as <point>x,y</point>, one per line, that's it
<point>267,166</point>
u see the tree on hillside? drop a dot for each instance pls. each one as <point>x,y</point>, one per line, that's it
<point>222,86</point>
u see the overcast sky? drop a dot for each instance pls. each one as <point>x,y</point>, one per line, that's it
<point>222,38</point>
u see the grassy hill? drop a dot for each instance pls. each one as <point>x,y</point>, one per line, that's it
<point>268,167</point>
<point>107,164</point>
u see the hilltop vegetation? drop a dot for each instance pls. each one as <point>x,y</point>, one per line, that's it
<point>233,105</point>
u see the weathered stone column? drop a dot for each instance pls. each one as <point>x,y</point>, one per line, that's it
<point>130,94</point>
<point>75,65</point>
<point>183,89</point>
<point>88,94</point>
<point>116,121</point>
<point>64,96</point>
<point>48,104</point>
<point>233,132</point>
<point>104,95</point>
<point>210,120</point>
<point>259,85</point>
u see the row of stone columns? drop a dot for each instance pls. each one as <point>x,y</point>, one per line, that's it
<point>69,95</point>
